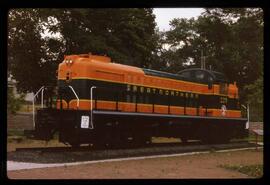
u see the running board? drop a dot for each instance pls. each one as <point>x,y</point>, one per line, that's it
<point>162,115</point>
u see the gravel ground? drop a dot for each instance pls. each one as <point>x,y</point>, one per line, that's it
<point>194,166</point>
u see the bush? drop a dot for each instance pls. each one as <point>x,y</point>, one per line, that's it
<point>250,170</point>
<point>14,104</point>
<point>255,99</point>
<point>256,112</point>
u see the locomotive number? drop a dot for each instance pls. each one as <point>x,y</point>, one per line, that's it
<point>85,122</point>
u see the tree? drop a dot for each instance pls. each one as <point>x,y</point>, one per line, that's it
<point>14,104</point>
<point>243,50</point>
<point>255,99</point>
<point>27,59</point>
<point>231,40</point>
<point>125,35</point>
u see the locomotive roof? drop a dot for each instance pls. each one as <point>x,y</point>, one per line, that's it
<point>217,76</point>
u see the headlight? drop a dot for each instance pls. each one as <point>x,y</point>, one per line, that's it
<point>68,62</point>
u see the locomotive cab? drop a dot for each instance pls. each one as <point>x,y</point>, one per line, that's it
<point>208,77</point>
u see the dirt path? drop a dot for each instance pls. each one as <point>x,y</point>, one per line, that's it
<point>195,166</point>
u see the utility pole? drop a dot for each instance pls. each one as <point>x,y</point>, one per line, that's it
<point>201,59</point>
<point>203,62</point>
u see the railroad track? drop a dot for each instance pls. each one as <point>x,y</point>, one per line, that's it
<point>195,145</point>
<point>85,153</point>
<point>93,148</point>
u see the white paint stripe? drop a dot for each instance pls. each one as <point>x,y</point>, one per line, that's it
<point>12,165</point>
<point>259,143</point>
<point>239,149</point>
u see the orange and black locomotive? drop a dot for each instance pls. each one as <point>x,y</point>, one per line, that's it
<point>100,102</point>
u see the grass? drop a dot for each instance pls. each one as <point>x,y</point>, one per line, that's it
<point>12,133</point>
<point>251,137</point>
<point>250,170</point>
<point>164,140</point>
<point>15,132</point>
<point>15,141</point>
<point>17,136</point>
<point>28,107</point>
<point>27,143</point>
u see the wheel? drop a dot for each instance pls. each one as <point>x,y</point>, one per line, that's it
<point>140,141</point>
<point>118,142</point>
<point>217,140</point>
<point>223,140</point>
<point>100,143</point>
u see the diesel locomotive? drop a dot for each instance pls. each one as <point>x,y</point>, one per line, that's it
<point>100,102</point>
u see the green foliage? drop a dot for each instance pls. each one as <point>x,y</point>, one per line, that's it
<point>255,90</point>
<point>14,104</point>
<point>15,132</point>
<point>255,99</point>
<point>250,170</point>
<point>230,38</point>
<point>28,59</point>
<point>125,35</point>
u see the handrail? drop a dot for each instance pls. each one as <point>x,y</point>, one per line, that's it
<point>42,102</point>
<point>75,95</point>
<point>91,98</point>
<point>42,88</point>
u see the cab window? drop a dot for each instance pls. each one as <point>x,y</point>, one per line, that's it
<point>186,74</point>
<point>200,75</point>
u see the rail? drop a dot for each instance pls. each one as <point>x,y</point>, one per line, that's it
<point>42,100</point>
<point>78,100</point>
<point>91,113</point>
<point>33,101</point>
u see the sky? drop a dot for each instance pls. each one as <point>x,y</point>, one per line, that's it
<point>165,15</point>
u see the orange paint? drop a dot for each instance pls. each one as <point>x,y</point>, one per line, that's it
<point>87,66</point>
